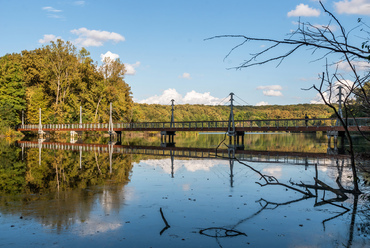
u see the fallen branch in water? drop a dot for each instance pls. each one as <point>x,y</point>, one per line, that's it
<point>165,222</point>
<point>221,232</point>
<point>338,192</point>
<point>271,180</point>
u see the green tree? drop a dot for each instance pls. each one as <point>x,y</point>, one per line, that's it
<point>12,89</point>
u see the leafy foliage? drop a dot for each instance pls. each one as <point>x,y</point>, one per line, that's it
<point>186,112</point>
<point>58,79</point>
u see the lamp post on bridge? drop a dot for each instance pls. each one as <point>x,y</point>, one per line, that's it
<point>40,131</point>
<point>111,129</point>
<point>110,125</point>
<point>22,118</point>
<point>172,110</point>
<point>171,134</point>
<point>340,87</point>
<point>231,130</point>
<point>231,126</point>
<point>80,116</point>
<point>77,133</point>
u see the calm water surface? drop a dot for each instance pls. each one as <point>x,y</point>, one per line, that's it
<point>60,199</point>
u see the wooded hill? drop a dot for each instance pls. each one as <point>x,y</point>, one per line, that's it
<point>187,112</point>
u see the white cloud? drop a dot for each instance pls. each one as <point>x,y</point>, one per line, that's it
<point>185,75</point>
<point>272,93</point>
<point>79,3</point>
<point>51,9</point>
<point>269,87</point>
<point>49,37</point>
<point>271,90</point>
<point>359,65</point>
<point>94,226</point>
<point>262,103</point>
<point>88,38</point>
<point>333,97</point>
<point>189,165</point>
<point>130,68</point>
<point>357,7</point>
<point>164,98</point>
<point>52,12</point>
<point>303,10</point>
<point>191,97</point>
<point>110,55</point>
<point>275,171</point>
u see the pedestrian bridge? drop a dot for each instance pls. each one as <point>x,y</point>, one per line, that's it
<point>287,125</point>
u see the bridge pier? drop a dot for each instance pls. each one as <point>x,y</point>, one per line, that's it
<point>75,134</point>
<point>171,138</point>
<point>45,135</point>
<point>119,137</point>
<point>236,140</point>
<point>334,135</point>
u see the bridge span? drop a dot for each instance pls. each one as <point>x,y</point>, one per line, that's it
<point>235,129</point>
<point>286,125</point>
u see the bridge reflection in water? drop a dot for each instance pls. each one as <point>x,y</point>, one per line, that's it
<point>297,158</point>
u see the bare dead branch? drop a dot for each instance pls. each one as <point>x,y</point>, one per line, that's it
<point>165,222</point>
<point>338,192</point>
<point>271,180</point>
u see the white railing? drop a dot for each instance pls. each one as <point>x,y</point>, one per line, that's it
<point>281,123</point>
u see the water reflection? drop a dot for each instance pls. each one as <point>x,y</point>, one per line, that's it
<point>105,193</point>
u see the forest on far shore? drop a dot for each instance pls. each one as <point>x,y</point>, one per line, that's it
<point>187,112</point>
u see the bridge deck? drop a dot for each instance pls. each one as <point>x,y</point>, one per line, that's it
<point>288,125</point>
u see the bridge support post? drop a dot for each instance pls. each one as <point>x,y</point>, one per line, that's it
<point>334,135</point>
<point>172,164</point>
<point>231,162</point>
<point>41,133</point>
<point>119,138</point>
<point>77,134</point>
<point>172,115</point>
<point>22,118</point>
<point>80,148</point>
<point>110,150</point>
<point>236,138</point>
<point>231,155</point>
<point>110,126</point>
<point>80,116</point>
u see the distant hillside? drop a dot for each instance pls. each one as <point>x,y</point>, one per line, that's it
<point>186,112</point>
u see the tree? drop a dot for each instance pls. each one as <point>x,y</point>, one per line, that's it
<point>12,89</point>
<point>323,39</point>
<point>62,68</point>
<point>114,90</point>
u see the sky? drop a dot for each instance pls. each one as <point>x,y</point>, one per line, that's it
<point>165,47</point>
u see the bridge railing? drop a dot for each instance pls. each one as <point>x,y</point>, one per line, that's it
<point>320,122</point>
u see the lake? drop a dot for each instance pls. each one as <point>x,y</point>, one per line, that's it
<point>142,194</point>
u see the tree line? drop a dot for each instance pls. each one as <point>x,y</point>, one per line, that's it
<point>187,112</point>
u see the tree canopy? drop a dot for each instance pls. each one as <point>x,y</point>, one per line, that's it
<point>59,79</point>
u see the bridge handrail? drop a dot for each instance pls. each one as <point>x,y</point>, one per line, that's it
<point>319,122</point>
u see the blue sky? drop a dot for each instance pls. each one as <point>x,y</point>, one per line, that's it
<point>163,43</point>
